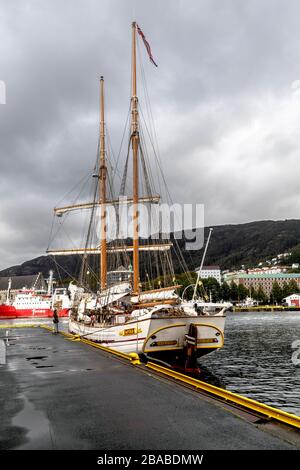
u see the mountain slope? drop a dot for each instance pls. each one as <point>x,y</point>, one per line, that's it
<point>234,245</point>
<point>230,247</point>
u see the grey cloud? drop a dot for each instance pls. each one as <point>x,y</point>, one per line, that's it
<point>217,61</point>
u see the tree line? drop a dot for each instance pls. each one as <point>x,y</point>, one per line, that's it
<point>211,289</point>
<point>238,293</point>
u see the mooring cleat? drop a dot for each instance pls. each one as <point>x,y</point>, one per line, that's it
<point>75,338</point>
<point>135,358</point>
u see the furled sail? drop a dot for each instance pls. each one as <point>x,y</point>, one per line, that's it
<point>166,293</point>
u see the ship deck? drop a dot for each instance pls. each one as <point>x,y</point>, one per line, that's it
<point>61,394</point>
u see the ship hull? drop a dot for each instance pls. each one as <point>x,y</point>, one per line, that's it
<point>8,312</point>
<point>165,339</point>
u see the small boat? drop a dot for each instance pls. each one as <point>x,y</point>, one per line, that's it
<point>123,310</point>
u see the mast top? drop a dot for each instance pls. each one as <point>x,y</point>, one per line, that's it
<point>101,78</point>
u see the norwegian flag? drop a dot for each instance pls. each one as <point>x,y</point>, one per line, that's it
<point>147,45</point>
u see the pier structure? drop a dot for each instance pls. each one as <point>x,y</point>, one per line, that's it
<point>60,392</point>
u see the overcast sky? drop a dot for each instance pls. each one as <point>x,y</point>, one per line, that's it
<point>225,99</point>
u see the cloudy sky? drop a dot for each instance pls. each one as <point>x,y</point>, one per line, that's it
<point>225,99</point>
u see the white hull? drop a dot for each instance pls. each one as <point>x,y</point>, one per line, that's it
<point>156,335</point>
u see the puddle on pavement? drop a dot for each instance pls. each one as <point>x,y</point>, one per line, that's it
<point>37,426</point>
<point>42,367</point>
<point>36,357</point>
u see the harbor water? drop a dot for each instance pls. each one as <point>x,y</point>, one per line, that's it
<point>257,359</point>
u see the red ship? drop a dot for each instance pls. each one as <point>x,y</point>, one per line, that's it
<point>33,303</point>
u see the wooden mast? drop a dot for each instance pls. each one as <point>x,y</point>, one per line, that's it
<point>135,146</point>
<point>102,192</point>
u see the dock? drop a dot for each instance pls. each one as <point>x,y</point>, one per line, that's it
<point>57,393</point>
<point>265,308</point>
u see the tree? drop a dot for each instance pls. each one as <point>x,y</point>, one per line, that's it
<point>212,288</point>
<point>253,293</point>
<point>261,296</point>
<point>225,291</point>
<point>234,295</point>
<point>276,293</point>
<point>295,255</point>
<point>184,280</point>
<point>286,289</point>
<point>242,292</point>
<point>294,289</point>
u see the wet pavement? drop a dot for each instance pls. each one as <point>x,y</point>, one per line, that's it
<point>60,394</point>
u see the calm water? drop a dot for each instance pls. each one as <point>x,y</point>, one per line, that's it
<point>256,360</point>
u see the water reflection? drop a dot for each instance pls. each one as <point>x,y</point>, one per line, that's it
<point>256,360</point>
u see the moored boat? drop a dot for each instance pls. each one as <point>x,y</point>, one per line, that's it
<point>124,315</point>
<point>35,303</point>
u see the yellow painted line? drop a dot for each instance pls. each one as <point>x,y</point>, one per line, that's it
<point>132,357</point>
<point>24,325</point>
<point>248,403</point>
<point>50,328</point>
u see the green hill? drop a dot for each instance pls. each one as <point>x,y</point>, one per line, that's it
<point>230,247</point>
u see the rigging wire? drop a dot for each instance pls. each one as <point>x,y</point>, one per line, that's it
<point>121,144</point>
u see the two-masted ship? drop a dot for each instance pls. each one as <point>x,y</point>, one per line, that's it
<point>125,310</point>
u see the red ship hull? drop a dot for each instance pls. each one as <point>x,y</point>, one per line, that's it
<point>9,312</point>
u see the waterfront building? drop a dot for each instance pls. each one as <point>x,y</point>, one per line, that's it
<point>268,270</point>
<point>210,271</point>
<point>265,281</point>
<point>292,300</point>
<point>227,275</point>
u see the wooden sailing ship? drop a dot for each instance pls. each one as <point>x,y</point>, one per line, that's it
<point>122,314</point>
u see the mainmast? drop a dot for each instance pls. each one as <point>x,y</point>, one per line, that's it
<point>135,146</point>
<point>102,192</point>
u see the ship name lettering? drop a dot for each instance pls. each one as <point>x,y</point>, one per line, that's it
<point>130,331</point>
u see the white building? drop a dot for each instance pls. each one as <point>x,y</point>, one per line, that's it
<point>210,271</point>
<point>292,300</point>
<point>269,270</point>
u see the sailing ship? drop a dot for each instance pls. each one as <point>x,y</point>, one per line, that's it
<point>125,310</point>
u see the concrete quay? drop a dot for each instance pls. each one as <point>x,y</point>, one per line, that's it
<point>62,394</point>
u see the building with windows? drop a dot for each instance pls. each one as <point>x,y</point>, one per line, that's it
<point>210,271</point>
<point>268,270</point>
<point>265,281</point>
<point>119,275</point>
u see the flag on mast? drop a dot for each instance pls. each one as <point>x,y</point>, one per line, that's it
<point>147,45</point>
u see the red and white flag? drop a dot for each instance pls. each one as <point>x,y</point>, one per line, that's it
<point>147,45</point>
